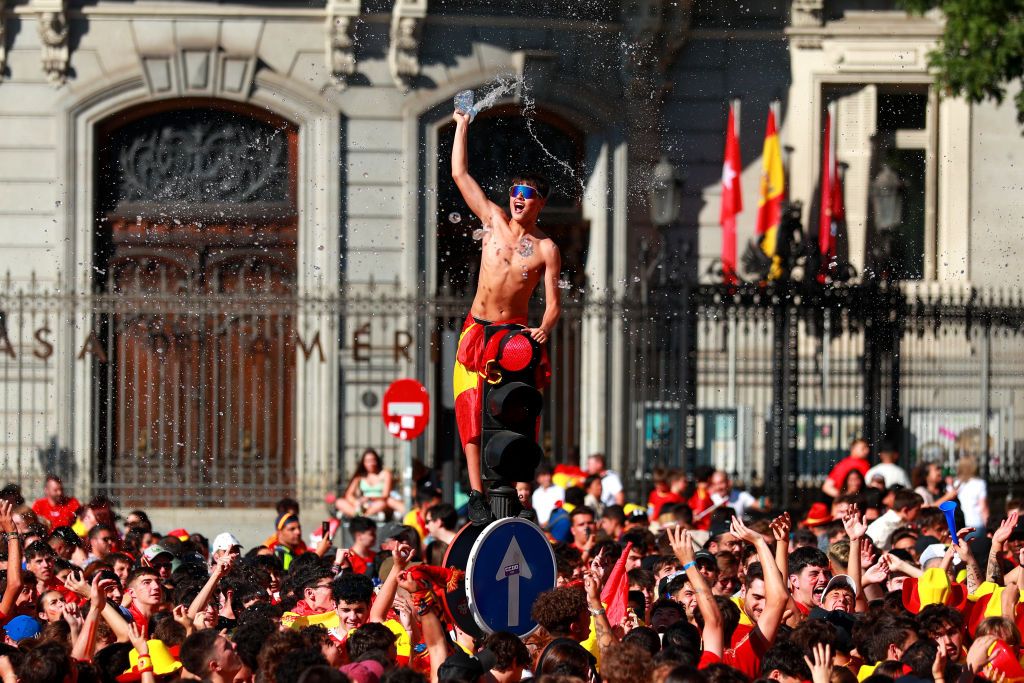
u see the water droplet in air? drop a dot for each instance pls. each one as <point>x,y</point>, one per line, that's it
<point>564,284</point>
<point>636,278</point>
<point>58,203</point>
<point>455,217</point>
<point>320,248</point>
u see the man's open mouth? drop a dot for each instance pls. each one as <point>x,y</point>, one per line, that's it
<point>518,206</point>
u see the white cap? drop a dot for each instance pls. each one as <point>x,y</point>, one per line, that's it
<point>839,581</point>
<point>932,552</point>
<point>225,541</point>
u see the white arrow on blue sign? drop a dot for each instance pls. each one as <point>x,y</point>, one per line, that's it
<point>510,564</point>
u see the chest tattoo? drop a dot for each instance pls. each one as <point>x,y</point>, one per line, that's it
<point>525,247</point>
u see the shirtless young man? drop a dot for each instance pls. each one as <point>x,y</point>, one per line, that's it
<point>515,256</point>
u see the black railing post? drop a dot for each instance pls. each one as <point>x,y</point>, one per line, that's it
<point>688,373</point>
<point>785,333</point>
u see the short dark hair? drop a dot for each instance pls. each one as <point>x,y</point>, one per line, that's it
<point>287,505</point>
<point>589,481</point>
<point>806,557</point>
<point>905,498</point>
<point>558,609</point>
<point>933,618</point>
<point>197,650</point>
<point>534,180</point>
<point>920,656</point>
<point>646,637</point>
<point>446,514</point>
<point>140,571</point>
<point>872,637</point>
<point>614,512</point>
<point>787,657</point>
<point>48,661</point>
<point>582,510</point>
<point>99,529</point>
<point>754,572</point>
<point>361,524</point>
<point>38,549</point>
<point>371,636</point>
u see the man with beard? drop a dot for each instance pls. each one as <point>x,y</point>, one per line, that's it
<point>809,573</point>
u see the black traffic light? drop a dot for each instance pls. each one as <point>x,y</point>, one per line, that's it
<point>511,404</point>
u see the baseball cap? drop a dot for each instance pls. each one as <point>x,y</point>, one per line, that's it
<point>935,550</point>
<point>840,581</point>
<point>367,671</point>
<point>705,556</point>
<point>225,541</point>
<point>151,553</point>
<point>21,627</point>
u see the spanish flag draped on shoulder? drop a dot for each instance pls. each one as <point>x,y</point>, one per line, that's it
<point>772,194</point>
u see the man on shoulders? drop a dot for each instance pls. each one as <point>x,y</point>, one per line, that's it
<point>856,460</point>
<point>54,506</point>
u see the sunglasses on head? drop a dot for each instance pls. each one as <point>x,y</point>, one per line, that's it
<point>524,191</point>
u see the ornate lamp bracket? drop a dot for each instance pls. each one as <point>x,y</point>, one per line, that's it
<point>407,20</point>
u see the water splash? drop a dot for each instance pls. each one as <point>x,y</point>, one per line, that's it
<point>509,84</point>
<point>480,233</point>
<point>455,217</point>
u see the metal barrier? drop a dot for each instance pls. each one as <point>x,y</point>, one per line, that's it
<point>218,400</point>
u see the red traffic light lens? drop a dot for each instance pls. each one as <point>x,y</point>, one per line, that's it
<point>518,352</point>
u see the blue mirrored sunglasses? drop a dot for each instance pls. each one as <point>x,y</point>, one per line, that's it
<point>524,191</point>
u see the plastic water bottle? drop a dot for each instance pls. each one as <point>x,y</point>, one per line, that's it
<point>464,103</point>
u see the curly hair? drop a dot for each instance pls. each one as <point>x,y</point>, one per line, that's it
<point>273,651</point>
<point>557,610</point>
<point>368,637</point>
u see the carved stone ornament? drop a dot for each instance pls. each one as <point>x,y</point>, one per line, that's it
<point>407,19</point>
<point>200,158</point>
<point>808,13</point>
<point>656,31</point>
<point>3,38</point>
<point>341,58</point>
<point>53,33</point>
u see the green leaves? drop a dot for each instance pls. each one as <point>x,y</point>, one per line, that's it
<point>982,48</point>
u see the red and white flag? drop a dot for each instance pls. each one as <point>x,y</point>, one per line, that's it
<point>732,197</point>
<point>832,212</point>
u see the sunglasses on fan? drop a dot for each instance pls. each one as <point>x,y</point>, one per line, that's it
<point>524,191</point>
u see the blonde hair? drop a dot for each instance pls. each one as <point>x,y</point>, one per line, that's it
<point>967,468</point>
<point>1000,627</point>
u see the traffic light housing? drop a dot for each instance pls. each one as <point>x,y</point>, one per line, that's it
<point>511,404</point>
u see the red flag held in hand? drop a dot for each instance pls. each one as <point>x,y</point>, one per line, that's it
<point>615,594</point>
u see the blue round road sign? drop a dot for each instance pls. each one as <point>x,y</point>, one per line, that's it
<point>510,565</point>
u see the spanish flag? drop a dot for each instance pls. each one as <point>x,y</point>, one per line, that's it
<point>772,194</point>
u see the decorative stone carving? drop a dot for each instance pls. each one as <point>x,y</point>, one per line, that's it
<point>807,13</point>
<point>407,20</point>
<point>201,157</point>
<point>53,32</point>
<point>341,58</point>
<point>3,38</point>
<point>656,31</point>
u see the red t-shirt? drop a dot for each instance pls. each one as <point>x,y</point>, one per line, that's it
<point>658,500</point>
<point>699,502</point>
<point>361,564</point>
<point>56,515</point>
<point>843,467</point>
<point>747,656</point>
<point>707,659</point>
<point>141,620</point>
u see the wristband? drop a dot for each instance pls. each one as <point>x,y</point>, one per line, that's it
<point>147,670</point>
<point>689,564</point>
<point>595,611</point>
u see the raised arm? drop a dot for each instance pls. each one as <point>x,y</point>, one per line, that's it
<point>776,595</point>
<point>379,611</point>
<point>994,570</point>
<point>13,561</point>
<point>780,527</point>
<point>202,598</point>
<point>471,191</point>
<point>714,631</point>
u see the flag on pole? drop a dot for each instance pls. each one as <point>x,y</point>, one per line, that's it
<point>732,198</point>
<point>832,209</point>
<point>772,194</point>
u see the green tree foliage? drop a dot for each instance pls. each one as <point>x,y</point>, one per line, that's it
<point>982,48</point>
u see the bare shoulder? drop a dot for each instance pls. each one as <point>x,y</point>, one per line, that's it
<point>546,246</point>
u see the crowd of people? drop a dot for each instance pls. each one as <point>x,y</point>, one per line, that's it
<point>706,583</point>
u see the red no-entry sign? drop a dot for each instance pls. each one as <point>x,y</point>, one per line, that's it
<point>406,409</point>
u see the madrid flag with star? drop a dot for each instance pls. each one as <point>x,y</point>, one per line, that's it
<point>732,198</point>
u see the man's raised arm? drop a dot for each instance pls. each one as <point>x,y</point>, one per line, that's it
<point>471,191</point>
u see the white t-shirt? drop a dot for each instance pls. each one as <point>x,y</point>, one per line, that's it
<point>891,474</point>
<point>544,501</point>
<point>972,492</point>
<point>611,486</point>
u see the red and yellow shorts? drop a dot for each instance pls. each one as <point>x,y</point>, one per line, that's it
<point>469,369</point>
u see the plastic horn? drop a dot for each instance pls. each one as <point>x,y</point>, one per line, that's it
<point>949,509</point>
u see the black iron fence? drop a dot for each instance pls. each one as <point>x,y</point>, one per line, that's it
<point>238,399</point>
